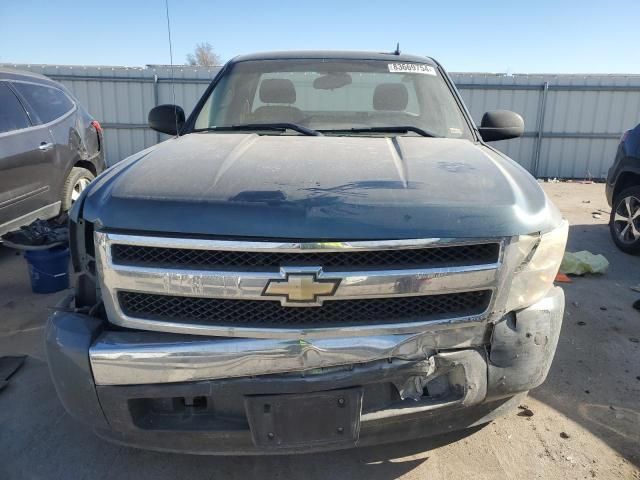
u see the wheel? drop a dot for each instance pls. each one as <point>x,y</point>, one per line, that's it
<point>624,223</point>
<point>76,182</point>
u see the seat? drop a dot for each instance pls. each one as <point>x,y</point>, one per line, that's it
<point>390,97</point>
<point>282,93</point>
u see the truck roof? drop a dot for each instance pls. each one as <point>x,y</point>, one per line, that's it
<point>334,55</point>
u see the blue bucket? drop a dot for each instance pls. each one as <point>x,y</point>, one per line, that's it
<point>48,269</point>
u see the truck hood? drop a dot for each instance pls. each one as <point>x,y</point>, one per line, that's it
<point>301,187</point>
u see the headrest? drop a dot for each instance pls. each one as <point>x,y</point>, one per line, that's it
<point>391,97</point>
<point>277,90</point>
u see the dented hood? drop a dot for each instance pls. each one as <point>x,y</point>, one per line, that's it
<point>302,187</point>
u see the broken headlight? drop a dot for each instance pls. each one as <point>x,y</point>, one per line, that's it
<point>539,260</point>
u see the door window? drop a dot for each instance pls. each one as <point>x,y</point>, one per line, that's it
<point>49,103</point>
<point>12,115</point>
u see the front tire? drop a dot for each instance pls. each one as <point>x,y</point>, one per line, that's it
<point>79,178</point>
<point>624,223</point>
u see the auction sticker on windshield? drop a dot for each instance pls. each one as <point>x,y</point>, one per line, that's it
<point>412,68</point>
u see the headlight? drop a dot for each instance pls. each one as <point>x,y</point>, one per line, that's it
<point>541,257</point>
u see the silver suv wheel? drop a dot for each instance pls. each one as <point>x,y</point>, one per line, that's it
<point>79,178</point>
<point>626,222</point>
<point>78,187</point>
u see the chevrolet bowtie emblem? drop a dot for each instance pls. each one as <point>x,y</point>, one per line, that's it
<point>301,288</point>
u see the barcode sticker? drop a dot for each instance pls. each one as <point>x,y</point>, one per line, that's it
<point>412,68</point>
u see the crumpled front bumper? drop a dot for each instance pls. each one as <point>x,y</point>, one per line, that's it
<point>185,393</point>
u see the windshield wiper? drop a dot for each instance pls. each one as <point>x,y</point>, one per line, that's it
<point>390,129</point>
<point>281,127</point>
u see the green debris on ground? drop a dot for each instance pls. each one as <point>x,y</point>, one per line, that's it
<point>579,263</point>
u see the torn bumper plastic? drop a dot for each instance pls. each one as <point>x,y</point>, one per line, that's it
<point>178,393</point>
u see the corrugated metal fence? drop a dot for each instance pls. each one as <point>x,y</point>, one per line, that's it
<point>572,122</point>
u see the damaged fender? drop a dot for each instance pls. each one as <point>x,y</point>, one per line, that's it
<point>523,345</point>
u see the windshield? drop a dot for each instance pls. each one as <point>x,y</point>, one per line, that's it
<point>335,96</point>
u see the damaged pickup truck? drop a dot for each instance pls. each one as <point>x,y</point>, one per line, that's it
<point>327,254</point>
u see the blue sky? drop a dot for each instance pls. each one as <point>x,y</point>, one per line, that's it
<point>512,36</point>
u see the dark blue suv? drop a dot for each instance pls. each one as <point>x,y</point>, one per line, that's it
<point>623,193</point>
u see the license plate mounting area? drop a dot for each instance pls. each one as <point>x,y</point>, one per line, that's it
<point>305,420</point>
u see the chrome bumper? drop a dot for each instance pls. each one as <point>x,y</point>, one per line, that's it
<point>124,358</point>
<point>137,358</point>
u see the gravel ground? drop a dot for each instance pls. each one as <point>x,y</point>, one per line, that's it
<point>585,423</point>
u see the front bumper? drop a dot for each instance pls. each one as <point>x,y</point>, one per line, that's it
<point>180,393</point>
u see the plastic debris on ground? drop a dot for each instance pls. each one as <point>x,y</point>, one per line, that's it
<point>562,278</point>
<point>39,235</point>
<point>579,263</point>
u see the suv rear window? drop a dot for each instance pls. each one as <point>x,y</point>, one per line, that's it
<point>49,103</point>
<point>12,115</point>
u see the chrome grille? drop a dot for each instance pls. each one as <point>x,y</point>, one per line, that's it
<point>266,314</point>
<point>223,287</point>
<point>474,254</point>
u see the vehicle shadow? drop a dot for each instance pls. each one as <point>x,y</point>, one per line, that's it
<point>595,376</point>
<point>19,308</point>
<point>384,462</point>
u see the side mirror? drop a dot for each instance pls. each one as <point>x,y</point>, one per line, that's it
<point>501,125</point>
<point>166,119</point>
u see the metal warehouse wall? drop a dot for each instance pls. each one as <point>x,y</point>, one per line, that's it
<point>572,122</point>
